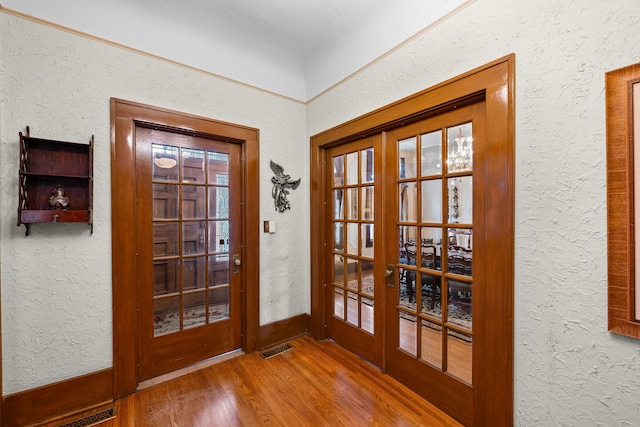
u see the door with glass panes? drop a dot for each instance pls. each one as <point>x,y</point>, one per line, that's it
<point>406,225</point>
<point>188,245</point>
<point>354,188</point>
<point>434,243</point>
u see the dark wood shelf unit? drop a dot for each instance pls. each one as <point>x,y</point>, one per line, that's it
<point>46,164</point>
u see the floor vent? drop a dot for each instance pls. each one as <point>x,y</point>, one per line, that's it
<point>92,419</point>
<point>276,351</point>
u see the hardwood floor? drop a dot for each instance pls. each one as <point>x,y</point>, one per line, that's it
<point>313,384</point>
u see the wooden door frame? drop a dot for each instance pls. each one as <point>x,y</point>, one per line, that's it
<point>495,84</point>
<point>124,116</point>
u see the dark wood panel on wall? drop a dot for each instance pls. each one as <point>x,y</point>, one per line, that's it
<point>58,399</point>
<point>283,330</point>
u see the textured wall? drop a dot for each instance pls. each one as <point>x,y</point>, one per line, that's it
<point>56,283</point>
<point>568,369</point>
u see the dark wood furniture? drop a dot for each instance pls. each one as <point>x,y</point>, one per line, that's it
<point>45,166</point>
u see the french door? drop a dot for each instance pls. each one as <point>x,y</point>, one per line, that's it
<point>406,252</point>
<point>354,187</point>
<point>188,238</point>
<point>443,248</point>
<point>436,246</point>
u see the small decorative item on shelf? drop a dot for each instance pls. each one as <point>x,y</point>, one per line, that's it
<point>62,166</point>
<point>58,200</point>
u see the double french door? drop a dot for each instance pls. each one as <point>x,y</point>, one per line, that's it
<point>406,254</point>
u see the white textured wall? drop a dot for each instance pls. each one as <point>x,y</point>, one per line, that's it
<point>568,369</point>
<point>56,283</point>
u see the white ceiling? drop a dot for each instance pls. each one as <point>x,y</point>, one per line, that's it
<point>296,48</point>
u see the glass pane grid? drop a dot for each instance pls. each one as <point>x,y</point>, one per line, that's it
<point>353,243</point>
<point>202,192</point>
<point>433,200</point>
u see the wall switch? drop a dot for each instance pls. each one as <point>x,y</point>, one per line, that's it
<point>269,226</point>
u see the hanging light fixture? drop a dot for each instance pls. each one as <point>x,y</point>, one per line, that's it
<point>460,156</point>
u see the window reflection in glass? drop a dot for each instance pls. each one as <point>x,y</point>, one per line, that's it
<point>366,277</point>
<point>460,303</point>
<point>218,236</point>
<point>193,235</point>
<point>352,274</point>
<point>338,303</point>
<point>338,171</point>
<point>165,201</point>
<point>194,273</point>
<point>366,160</point>
<point>352,203</point>
<point>460,148</point>
<point>460,251</point>
<point>338,270</point>
<point>407,158</point>
<point>165,162</point>
<point>192,165</point>
<point>431,153</point>
<point>352,308</point>
<point>219,202</point>
<point>408,192</point>
<point>219,304</point>
<point>431,344</point>
<point>431,294</point>
<point>366,314</point>
<point>352,168</point>
<point>460,355</point>
<point>165,239</point>
<point>338,236</point>
<point>366,246</point>
<point>432,201</point>
<point>367,203</point>
<point>352,238</point>
<point>408,336</point>
<point>194,309</point>
<point>166,274</point>
<point>460,200</point>
<point>218,168</point>
<point>166,315</point>
<point>193,202</point>
<point>431,247</point>
<point>218,270</point>
<point>338,204</point>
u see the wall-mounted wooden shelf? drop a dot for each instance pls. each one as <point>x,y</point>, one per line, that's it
<point>46,164</point>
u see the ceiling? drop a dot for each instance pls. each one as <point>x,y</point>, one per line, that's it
<point>296,48</point>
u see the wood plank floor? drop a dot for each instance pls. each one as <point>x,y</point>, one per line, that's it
<point>313,384</point>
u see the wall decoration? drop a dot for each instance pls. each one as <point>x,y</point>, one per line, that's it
<point>282,183</point>
<point>622,92</point>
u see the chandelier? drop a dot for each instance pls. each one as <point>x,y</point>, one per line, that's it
<point>460,156</point>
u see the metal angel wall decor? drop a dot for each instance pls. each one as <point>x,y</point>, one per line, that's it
<point>282,183</point>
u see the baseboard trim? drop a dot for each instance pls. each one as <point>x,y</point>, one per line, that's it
<point>59,399</point>
<point>283,330</point>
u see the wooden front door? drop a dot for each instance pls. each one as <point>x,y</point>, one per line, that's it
<point>188,241</point>
<point>183,211</point>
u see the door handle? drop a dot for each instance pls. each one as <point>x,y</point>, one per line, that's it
<point>237,262</point>
<point>389,274</point>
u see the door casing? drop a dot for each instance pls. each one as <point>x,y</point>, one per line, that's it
<point>495,84</point>
<point>124,116</point>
